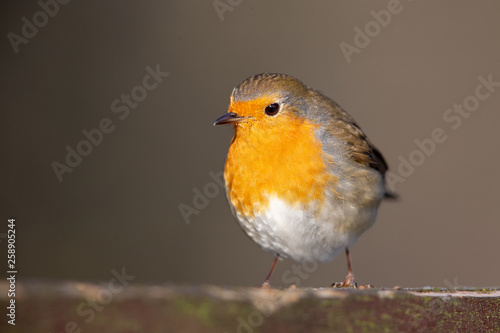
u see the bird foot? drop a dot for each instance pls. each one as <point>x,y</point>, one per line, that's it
<point>266,285</point>
<point>349,282</point>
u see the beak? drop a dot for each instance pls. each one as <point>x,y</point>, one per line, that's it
<point>229,118</point>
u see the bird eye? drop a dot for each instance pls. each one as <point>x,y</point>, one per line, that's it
<point>272,109</point>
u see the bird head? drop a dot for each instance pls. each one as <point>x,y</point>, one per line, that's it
<point>265,100</point>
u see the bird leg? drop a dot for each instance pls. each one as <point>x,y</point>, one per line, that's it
<point>266,284</point>
<point>349,281</point>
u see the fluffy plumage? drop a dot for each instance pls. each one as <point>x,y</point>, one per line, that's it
<point>305,182</point>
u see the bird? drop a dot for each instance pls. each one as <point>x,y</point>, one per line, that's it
<point>301,177</point>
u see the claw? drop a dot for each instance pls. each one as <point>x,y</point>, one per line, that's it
<point>349,281</point>
<point>266,285</point>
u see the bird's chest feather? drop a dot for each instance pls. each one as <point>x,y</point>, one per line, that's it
<point>286,162</point>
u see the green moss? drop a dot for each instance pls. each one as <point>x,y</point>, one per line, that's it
<point>200,310</point>
<point>195,311</point>
<point>484,290</point>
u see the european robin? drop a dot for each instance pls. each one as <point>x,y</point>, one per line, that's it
<point>301,177</point>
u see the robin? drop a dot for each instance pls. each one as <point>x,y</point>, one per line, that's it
<point>301,177</point>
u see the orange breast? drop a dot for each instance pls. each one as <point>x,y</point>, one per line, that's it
<point>280,157</point>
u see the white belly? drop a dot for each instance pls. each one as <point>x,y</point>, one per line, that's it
<point>315,234</point>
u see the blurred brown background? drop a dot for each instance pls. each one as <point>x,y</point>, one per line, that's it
<point>120,206</point>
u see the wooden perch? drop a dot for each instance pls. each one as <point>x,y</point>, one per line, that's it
<point>82,307</point>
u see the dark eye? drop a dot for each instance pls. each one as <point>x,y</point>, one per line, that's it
<point>272,109</point>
